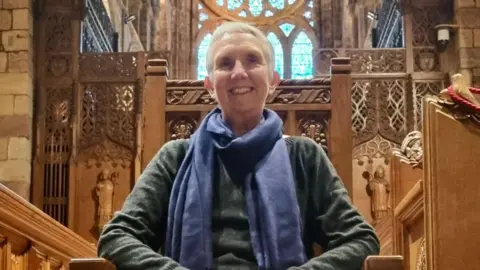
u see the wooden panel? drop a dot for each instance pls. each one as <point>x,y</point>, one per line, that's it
<point>451,189</point>
<point>408,224</point>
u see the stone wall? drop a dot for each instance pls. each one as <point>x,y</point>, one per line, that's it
<point>467,14</point>
<point>16,95</point>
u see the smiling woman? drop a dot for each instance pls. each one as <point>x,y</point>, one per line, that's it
<point>238,194</point>
<point>240,66</point>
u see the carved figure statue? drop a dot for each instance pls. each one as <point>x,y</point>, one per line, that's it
<point>379,189</point>
<point>105,190</point>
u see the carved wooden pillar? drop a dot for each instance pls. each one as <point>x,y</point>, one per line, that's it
<point>57,35</point>
<point>154,102</point>
<point>341,142</point>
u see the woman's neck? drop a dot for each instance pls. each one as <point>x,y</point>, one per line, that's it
<point>242,124</point>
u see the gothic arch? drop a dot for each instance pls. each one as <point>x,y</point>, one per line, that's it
<point>299,13</point>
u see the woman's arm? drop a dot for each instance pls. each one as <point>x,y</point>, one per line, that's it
<point>134,235</point>
<point>338,227</point>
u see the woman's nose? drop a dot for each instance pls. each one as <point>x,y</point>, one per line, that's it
<point>239,71</point>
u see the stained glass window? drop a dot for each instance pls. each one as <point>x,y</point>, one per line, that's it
<point>234,4</point>
<point>287,28</point>
<point>202,57</point>
<point>256,7</point>
<point>278,4</point>
<point>278,51</point>
<point>289,38</point>
<point>302,58</point>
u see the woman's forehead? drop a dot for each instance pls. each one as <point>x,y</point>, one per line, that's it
<point>232,42</point>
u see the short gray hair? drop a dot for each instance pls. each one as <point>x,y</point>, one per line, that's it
<point>241,27</point>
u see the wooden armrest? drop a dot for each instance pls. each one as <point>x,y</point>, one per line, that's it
<point>91,264</point>
<point>383,263</point>
<point>371,263</point>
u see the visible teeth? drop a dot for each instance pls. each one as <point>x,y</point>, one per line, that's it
<point>242,90</point>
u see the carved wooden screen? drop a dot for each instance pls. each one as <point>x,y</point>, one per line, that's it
<point>90,140</point>
<point>303,105</point>
<point>106,156</point>
<point>318,108</point>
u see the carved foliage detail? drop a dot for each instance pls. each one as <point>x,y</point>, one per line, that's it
<point>393,109</point>
<point>57,120</point>
<point>59,33</point>
<point>377,61</point>
<point>363,111</point>
<point>108,67</point>
<point>421,263</point>
<point>421,89</point>
<point>314,126</point>
<point>108,114</point>
<point>279,96</point>
<point>388,98</point>
<point>182,126</point>
<point>297,96</point>
<point>377,148</point>
<point>411,150</point>
<point>189,97</point>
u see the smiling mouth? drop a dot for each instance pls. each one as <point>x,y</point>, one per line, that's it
<point>240,90</point>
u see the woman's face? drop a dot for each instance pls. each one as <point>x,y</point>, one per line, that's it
<point>240,77</point>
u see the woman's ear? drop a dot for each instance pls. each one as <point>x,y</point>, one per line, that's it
<point>274,83</point>
<point>207,83</point>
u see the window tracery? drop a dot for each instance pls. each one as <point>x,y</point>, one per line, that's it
<point>288,25</point>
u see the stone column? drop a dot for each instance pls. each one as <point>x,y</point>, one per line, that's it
<point>16,95</point>
<point>468,39</point>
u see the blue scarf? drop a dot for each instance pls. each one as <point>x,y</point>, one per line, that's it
<point>271,202</point>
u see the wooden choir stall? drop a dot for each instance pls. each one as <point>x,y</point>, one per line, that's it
<point>318,108</point>
<point>95,136</point>
<point>435,178</point>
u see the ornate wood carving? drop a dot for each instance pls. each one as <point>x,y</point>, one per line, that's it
<point>411,151</point>
<point>105,190</point>
<point>182,126</point>
<point>421,263</point>
<point>107,127</point>
<point>314,91</point>
<point>59,24</point>
<point>378,188</point>
<point>108,67</point>
<point>377,61</point>
<point>315,126</point>
<point>385,96</point>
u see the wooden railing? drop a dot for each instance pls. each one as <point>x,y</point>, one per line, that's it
<point>30,239</point>
<point>371,263</point>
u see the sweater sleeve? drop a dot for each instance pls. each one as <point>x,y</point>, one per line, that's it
<point>135,233</point>
<point>338,227</point>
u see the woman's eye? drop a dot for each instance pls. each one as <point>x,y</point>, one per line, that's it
<point>225,63</point>
<point>252,59</point>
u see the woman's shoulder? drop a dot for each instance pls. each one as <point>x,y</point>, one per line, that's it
<point>305,149</point>
<point>173,149</point>
<point>303,143</point>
